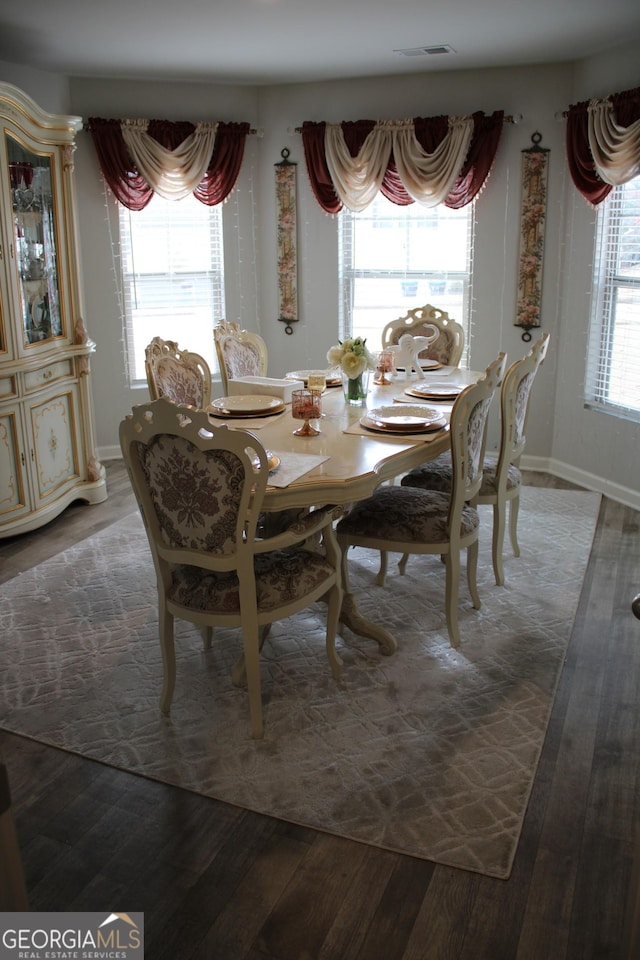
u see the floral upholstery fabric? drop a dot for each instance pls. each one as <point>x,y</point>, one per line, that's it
<point>196,494</point>
<point>178,382</point>
<point>282,576</point>
<point>439,350</point>
<point>240,359</point>
<point>521,403</point>
<point>405,514</point>
<point>514,477</point>
<point>436,475</point>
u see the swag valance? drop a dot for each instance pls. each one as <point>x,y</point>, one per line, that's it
<point>603,143</point>
<point>426,160</point>
<point>141,157</point>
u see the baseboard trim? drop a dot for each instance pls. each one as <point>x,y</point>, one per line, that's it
<point>615,491</point>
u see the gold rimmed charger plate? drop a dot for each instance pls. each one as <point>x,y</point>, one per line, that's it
<point>416,419</point>
<point>425,364</point>
<point>435,391</point>
<point>246,406</point>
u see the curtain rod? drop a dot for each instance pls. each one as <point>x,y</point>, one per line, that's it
<point>252,131</point>
<point>511,118</point>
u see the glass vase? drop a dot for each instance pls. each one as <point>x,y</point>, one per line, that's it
<point>355,388</point>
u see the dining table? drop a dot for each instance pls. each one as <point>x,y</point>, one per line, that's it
<point>347,461</point>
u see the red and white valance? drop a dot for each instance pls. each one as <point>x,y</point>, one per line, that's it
<point>425,160</point>
<point>141,157</point>
<point>603,143</point>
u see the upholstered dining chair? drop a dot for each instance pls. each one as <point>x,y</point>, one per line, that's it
<point>199,488</point>
<point>179,375</point>
<point>409,520</point>
<point>240,353</point>
<point>447,348</point>
<point>501,476</point>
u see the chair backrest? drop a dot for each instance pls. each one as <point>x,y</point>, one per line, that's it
<point>468,428</point>
<point>514,405</point>
<point>179,375</point>
<point>447,349</point>
<point>199,488</point>
<point>240,353</point>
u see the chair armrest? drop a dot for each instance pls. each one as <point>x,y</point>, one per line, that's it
<point>301,529</point>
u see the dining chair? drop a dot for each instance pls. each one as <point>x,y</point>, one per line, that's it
<point>410,520</point>
<point>199,488</point>
<point>446,349</point>
<point>240,353</point>
<point>501,476</point>
<point>179,375</point>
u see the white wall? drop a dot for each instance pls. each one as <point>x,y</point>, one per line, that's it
<point>598,451</point>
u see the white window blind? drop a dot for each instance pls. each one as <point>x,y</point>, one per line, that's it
<point>392,259</point>
<point>613,361</point>
<point>172,277</point>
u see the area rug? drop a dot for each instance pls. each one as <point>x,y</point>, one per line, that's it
<point>431,752</point>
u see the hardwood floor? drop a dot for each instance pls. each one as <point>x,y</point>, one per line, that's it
<point>215,881</point>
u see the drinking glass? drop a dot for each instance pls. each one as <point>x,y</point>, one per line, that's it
<point>385,367</point>
<point>317,380</point>
<point>306,405</point>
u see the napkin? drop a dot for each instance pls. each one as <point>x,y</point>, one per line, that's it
<point>293,466</point>
<point>268,386</point>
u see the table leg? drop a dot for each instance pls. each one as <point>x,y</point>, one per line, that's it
<point>353,619</point>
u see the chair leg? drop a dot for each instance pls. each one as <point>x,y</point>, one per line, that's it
<point>382,572</point>
<point>251,645</point>
<point>472,573</point>
<point>514,508</point>
<point>334,607</point>
<point>402,564</point>
<point>451,596</point>
<point>167,648</point>
<point>207,637</point>
<point>498,541</point>
<point>239,673</point>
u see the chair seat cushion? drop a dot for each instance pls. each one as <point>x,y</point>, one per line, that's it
<point>282,576</point>
<point>488,488</point>
<point>434,475</point>
<point>405,515</point>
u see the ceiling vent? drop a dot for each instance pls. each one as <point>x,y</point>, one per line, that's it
<point>426,51</point>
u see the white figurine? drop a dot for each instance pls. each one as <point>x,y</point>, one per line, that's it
<point>408,349</point>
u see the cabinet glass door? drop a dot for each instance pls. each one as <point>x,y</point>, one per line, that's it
<point>34,226</point>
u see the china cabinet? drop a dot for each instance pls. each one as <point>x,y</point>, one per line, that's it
<point>47,446</point>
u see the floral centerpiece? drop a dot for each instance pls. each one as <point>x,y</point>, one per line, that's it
<point>355,362</point>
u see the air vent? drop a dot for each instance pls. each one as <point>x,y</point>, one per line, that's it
<point>426,51</point>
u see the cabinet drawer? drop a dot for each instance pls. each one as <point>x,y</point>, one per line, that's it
<point>8,387</point>
<point>35,379</point>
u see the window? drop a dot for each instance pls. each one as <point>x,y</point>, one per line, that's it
<point>172,277</point>
<point>612,381</point>
<point>392,259</point>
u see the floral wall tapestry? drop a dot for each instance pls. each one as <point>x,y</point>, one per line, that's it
<point>532,224</point>
<point>287,241</point>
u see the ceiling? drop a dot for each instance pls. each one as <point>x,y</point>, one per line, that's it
<point>290,41</point>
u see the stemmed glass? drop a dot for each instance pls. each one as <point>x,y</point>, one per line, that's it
<point>306,405</point>
<point>385,367</point>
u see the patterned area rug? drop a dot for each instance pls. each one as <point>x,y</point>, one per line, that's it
<point>431,752</point>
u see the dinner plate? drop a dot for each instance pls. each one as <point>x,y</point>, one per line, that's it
<point>410,419</point>
<point>425,364</point>
<point>246,406</point>
<point>330,379</point>
<point>435,391</point>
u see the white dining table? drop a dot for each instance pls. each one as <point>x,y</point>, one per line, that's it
<point>355,461</point>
